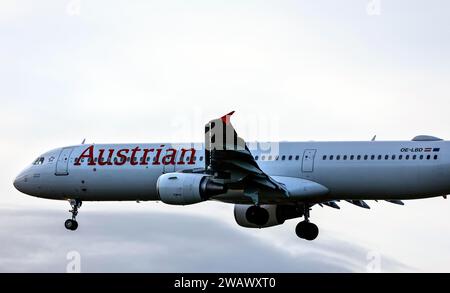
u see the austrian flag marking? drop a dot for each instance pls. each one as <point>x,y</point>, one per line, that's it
<point>429,150</point>
<point>136,156</point>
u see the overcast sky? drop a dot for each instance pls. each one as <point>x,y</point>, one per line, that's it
<point>156,71</point>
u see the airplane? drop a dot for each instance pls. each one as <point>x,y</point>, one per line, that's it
<point>267,185</point>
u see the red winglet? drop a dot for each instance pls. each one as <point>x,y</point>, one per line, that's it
<point>226,118</point>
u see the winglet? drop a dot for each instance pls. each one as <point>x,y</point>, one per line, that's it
<point>226,118</point>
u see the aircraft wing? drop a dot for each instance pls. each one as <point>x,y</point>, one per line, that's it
<point>228,158</point>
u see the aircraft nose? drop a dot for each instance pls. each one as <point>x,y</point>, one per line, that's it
<point>18,182</point>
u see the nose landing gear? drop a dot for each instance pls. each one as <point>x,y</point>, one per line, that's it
<point>305,229</point>
<point>72,224</point>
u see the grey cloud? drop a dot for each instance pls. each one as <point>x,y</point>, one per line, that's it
<point>36,241</point>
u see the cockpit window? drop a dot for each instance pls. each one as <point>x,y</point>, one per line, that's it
<point>39,161</point>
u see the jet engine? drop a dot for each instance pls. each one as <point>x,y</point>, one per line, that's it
<point>264,216</point>
<point>187,188</point>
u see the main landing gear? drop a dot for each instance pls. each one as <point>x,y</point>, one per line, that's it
<point>305,229</point>
<point>72,224</point>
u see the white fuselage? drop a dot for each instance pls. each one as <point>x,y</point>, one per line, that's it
<point>350,170</point>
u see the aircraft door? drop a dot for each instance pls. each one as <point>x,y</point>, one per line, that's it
<point>62,165</point>
<point>308,160</point>
<point>170,168</point>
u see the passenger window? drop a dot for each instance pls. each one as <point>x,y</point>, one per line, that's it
<point>277,158</point>
<point>435,157</point>
<point>297,157</point>
<point>428,157</point>
<point>201,158</point>
<point>263,158</point>
<point>421,157</point>
<point>324,158</point>
<point>407,157</point>
<point>345,158</point>
<point>270,158</point>
<point>352,157</point>
<point>290,158</point>
<point>331,158</point>
<point>359,157</point>
<point>338,158</point>
<point>283,158</point>
<point>256,158</point>
<point>366,157</point>
<point>380,157</point>
<point>372,157</point>
<point>386,157</point>
<point>414,157</point>
<point>400,157</point>
<point>393,157</point>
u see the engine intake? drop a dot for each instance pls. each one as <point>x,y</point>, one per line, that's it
<point>187,188</point>
<point>251,216</point>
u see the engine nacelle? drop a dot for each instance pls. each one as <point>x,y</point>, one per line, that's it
<point>187,188</point>
<point>278,214</point>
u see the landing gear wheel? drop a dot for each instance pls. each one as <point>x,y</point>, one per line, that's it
<point>257,215</point>
<point>307,230</point>
<point>71,224</point>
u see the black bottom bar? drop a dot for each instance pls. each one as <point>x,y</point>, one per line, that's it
<point>221,282</point>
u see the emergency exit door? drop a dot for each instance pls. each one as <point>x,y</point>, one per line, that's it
<point>308,160</point>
